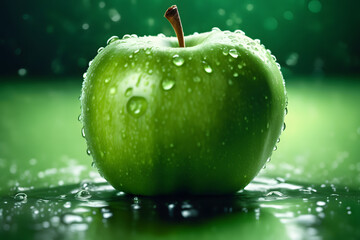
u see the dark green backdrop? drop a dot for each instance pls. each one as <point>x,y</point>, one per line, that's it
<point>59,37</point>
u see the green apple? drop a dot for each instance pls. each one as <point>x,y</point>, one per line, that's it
<point>201,119</point>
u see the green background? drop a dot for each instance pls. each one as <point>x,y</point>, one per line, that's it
<point>46,47</point>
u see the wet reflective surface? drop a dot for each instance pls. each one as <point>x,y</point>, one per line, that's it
<point>266,209</point>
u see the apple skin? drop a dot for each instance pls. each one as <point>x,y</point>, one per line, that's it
<point>199,120</point>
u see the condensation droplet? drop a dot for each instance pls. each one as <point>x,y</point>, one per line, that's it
<point>100,49</point>
<point>112,40</point>
<point>238,31</point>
<point>177,60</point>
<point>233,53</point>
<point>83,132</point>
<point>283,127</point>
<point>136,106</point>
<point>128,92</point>
<point>126,36</point>
<point>207,67</point>
<point>215,29</point>
<point>167,84</point>
<point>88,152</point>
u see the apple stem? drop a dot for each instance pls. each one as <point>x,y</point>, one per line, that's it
<point>173,16</point>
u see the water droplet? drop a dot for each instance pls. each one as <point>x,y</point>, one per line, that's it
<point>278,65</point>
<point>84,75</point>
<point>278,140</point>
<point>90,62</point>
<point>235,74</point>
<point>230,82</point>
<point>112,39</point>
<point>167,84</point>
<point>100,49</point>
<point>207,67</point>
<point>93,165</point>
<point>80,118</point>
<point>233,53</point>
<point>275,148</point>
<point>215,29</point>
<point>136,106</point>
<point>20,197</point>
<point>238,31</point>
<point>83,132</point>
<point>112,91</point>
<point>83,195</point>
<point>177,60</point>
<point>257,41</point>
<point>107,80</point>
<point>126,36</point>
<point>128,92</point>
<point>225,52</point>
<point>197,79</point>
<point>88,152</point>
<point>273,57</point>
<point>283,127</point>
<point>286,111</point>
<point>161,35</point>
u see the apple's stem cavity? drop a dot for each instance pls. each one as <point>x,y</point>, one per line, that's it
<point>172,15</point>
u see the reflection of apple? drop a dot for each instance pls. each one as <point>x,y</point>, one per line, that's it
<point>202,119</point>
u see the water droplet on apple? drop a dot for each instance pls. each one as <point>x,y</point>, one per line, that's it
<point>20,197</point>
<point>235,74</point>
<point>150,71</point>
<point>126,36</point>
<point>207,67</point>
<point>134,36</point>
<point>100,49</point>
<point>112,91</point>
<point>90,62</point>
<point>136,106</point>
<point>167,84</point>
<point>215,29</point>
<point>286,111</point>
<point>88,152</point>
<point>275,148</point>
<point>80,118</point>
<point>278,65</point>
<point>283,127</point>
<point>233,53</point>
<point>107,80</point>
<point>197,79</point>
<point>161,35</point>
<point>136,51</point>
<point>128,92</point>
<point>84,75</point>
<point>93,164</point>
<point>238,31</point>
<point>112,39</point>
<point>148,51</point>
<point>273,57</point>
<point>177,60</point>
<point>225,51</point>
<point>83,132</point>
<point>278,140</point>
<point>257,41</point>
